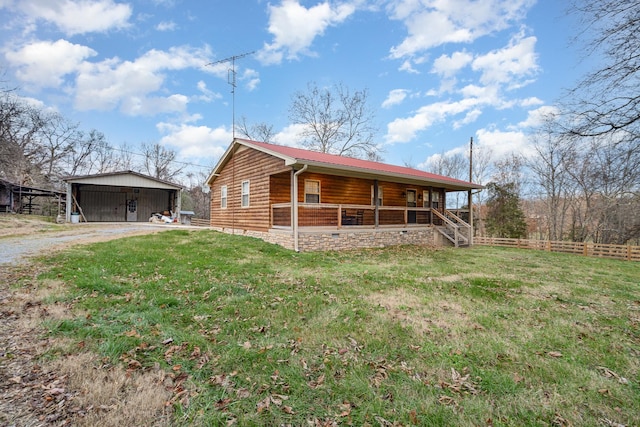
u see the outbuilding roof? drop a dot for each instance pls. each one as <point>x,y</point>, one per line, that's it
<point>346,166</point>
<point>123,178</point>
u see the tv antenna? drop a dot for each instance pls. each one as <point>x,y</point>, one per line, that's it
<point>231,79</point>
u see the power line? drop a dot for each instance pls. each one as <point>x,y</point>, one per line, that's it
<point>172,161</point>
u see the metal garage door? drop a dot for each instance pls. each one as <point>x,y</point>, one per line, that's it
<point>103,206</point>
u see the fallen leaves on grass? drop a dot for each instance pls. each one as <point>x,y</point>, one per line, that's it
<point>447,401</point>
<point>460,383</point>
<point>276,400</point>
<point>560,421</point>
<point>608,373</point>
<point>317,382</point>
<point>380,373</point>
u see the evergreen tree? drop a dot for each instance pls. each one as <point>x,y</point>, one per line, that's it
<point>504,215</point>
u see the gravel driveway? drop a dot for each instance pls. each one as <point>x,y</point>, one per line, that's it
<point>17,249</point>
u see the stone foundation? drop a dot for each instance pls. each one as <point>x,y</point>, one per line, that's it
<point>336,240</point>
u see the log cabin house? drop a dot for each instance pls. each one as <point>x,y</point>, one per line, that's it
<point>306,200</point>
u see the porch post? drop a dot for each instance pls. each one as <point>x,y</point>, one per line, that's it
<point>294,204</point>
<point>430,205</point>
<point>376,212</point>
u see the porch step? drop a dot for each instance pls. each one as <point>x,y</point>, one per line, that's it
<point>450,235</point>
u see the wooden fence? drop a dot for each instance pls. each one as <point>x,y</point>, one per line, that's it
<point>625,252</point>
<point>200,222</point>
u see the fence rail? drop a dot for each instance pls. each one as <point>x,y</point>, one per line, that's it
<point>625,252</point>
<point>200,222</point>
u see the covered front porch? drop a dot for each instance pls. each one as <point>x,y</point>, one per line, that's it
<point>337,219</point>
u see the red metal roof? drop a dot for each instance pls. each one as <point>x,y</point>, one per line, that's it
<point>331,160</point>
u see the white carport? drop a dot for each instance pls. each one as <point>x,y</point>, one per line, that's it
<point>125,196</point>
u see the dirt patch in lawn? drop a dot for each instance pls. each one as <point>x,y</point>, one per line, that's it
<point>77,388</point>
<point>412,310</point>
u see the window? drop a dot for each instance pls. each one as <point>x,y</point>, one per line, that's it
<point>223,197</point>
<point>425,199</point>
<point>311,191</point>
<point>245,194</point>
<point>380,197</point>
<point>435,200</point>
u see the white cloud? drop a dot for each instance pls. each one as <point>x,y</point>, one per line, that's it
<point>150,105</point>
<point>78,16</point>
<point>405,129</point>
<point>252,79</point>
<point>195,142</point>
<point>510,64</point>
<point>503,143</point>
<point>129,85</point>
<point>45,63</point>
<point>289,136</point>
<point>294,27</point>
<point>528,102</point>
<point>431,23</point>
<point>207,94</point>
<point>395,97</point>
<point>537,117</point>
<point>448,66</point>
<point>408,67</point>
<point>470,117</point>
<point>166,26</point>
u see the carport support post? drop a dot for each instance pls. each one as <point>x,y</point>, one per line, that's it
<point>69,203</point>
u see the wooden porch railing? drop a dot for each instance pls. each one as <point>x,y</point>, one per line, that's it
<point>455,229</point>
<point>348,215</point>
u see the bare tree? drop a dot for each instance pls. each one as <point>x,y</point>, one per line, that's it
<point>555,153</point>
<point>482,164</point>
<point>607,100</point>
<point>124,159</point>
<point>92,154</point>
<point>451,165</point>
<point>256,132</point>
<point>198,195</point>
<point>608,179</point>
<point>509,170</point>
<point>20,124</point>
<point>159,162</point>
<point>335,121</point>
<point>57,139</point>
<point>454,166</point>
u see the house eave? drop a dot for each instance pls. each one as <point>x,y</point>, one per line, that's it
<point>388,176</point>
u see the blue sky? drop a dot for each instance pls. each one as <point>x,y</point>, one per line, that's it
<point>438,71</point>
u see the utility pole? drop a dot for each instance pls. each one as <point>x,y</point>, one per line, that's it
<point>470,202</point>
<point>231,79</point>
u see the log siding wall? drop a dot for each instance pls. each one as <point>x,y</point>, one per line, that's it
<point>256,167</point>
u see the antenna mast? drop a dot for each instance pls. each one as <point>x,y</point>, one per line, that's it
<point>231,79</point>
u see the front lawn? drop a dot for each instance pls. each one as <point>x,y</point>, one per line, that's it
<point>240,332</point>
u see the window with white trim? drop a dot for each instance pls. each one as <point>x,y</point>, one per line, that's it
<point>380,196</point>
<point>425,199</point>
<point>245,194</point>
<point>311,191</point>
<point>223,197</point>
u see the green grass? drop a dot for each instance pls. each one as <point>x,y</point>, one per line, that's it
<point>409,335</point>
